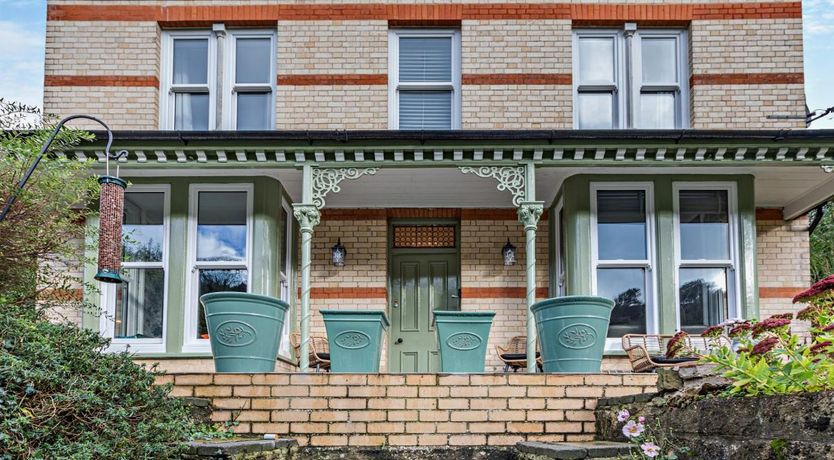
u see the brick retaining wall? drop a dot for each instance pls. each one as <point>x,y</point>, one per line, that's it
<point>412,409</point>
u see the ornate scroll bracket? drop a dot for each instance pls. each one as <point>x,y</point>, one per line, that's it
<point>326,180</point>
<point>509,178</point>
<point>529,213</point>
<point>308,216</point>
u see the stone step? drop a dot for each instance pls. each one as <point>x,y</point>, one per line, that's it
<point>572,450</point>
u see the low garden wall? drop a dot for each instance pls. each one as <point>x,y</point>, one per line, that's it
<point>740,428</point>
<point>410,409</point>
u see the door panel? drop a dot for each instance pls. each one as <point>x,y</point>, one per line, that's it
<point>420,283</point>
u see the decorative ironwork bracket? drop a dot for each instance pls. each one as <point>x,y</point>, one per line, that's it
<point>326,180</point>
<point>509,178</point>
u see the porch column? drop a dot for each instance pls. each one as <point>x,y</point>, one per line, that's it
<point>529,212</point>
<point>308,216</point>
<point>316,183</point>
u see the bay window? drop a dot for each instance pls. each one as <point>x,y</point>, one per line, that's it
<point>424,79</point>
<point>622,249</point>
<point>135,310</point>
<point>630,78</point>
<point>220,242</point>
<point>705,254</point>
<point>218,79</point>
<point>285,273</point>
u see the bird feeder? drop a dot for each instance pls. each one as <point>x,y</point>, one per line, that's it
<point>111,210</point>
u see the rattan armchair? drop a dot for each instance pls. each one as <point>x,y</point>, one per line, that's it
<point>319,351</point>
<point>647,352</point>
<point>514,356</point>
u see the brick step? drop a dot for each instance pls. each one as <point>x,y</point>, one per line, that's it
<point>601,450</point>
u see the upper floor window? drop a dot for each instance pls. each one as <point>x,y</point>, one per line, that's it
<point>424,79</point>
<point>630,79</point>
<point>218,80</point>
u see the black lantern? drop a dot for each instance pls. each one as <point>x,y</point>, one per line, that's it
<point>338,254</point>
<point>508,252</point>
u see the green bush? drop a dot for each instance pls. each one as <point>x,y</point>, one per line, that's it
<point>61,397</point>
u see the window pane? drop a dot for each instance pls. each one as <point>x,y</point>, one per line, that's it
<point>705,227</point>
<point>703,298</point>
<point>221,226</point>
<point>596,110</point>
<point>142,226</point>
<point>425,109</point>
<point>253,60</point>
<point>426,59</point>
<point>218,281</point>
<point>621,225</point>
<point>596,60</point>
<point>657,110</point>
<point>626,287</point>
<point>139,304</point>
<point>285,221</point>
<point>660,63</point>
<point>190,61</point>
<point>191,111</point>
<point>253,110</point>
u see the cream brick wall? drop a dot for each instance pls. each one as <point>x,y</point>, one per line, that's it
<point>516,107</point>
<point>332,107</point>
<point>332,47</point>
<point>121,108</point>
<point>747,106</point>
<point>783,257</point>
<point>746,46</point>
<point>516,46</point>
<point>102,48</point>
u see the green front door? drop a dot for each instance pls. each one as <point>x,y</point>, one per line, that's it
<point>420,283</point>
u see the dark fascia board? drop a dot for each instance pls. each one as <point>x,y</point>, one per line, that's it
<point>498,136</point>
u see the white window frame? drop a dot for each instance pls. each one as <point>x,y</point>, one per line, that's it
<point>285,282</point>
<point>107,326</point>
<point>168,89</point>
<point>192,344</point>
<point>652,313</point>
<point>222,55</point>
<point>731,264</point>
<point>394,85</point>
<point>232,89</point>
<point>561,269</point>
<point>627,88</point>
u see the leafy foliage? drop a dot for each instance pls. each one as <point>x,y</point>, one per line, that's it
<point>60,395</point>
<point>771,360</point>
<point>822,244</point>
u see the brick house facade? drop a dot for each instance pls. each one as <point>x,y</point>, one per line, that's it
<point>685,103</point>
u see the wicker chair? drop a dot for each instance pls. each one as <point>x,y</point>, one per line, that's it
<point>319,351</point>
<point>515,354</point>
<point>648,352</point>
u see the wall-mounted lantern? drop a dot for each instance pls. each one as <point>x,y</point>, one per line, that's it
<point>338,253</point>
<point>508,253</point>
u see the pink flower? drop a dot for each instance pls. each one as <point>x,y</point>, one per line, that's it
<point>623,415</point>
<point>770,324</point>
<point>821,347</point>
<point>765,346</point>
<point>713,331</point>
<point>633,429</point>
<point>740,329</point>
<point>815,291</point>
<point>650,449</point>
<point>641,419</point>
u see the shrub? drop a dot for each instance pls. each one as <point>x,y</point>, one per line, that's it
<point>61,397</point>
<point>771,360</point>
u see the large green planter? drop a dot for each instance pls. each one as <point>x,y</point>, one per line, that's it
<point>244,330</point>
<point>572,332</point>
<point>463,337</point>
<point>355,339</point>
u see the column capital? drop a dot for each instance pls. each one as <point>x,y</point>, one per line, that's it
<point>308,216</point>
<point>529,213</point>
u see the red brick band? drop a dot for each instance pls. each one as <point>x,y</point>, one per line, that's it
<point>348,293</point>
<point>422,213</point>
<point>204,14</point>
<point>517,79</point>
<point>769,214</point>
<point>101,80</point>
<point>779,292</point>
<point>500,292</point>
<point>336,79</point>
<point>747,79</point>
